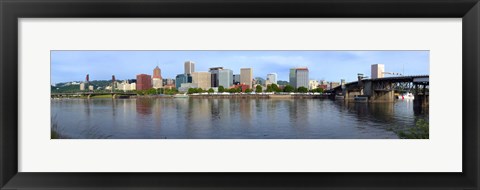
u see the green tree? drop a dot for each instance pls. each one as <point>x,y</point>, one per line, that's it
<point>288,88</point>
<point>269,88</point>
<point>192,90</point>
<point>275,88</point>
<point>320,90</point>
<point>248,90</point>
<point>258,89</point>
<point>210,91</point>
<point>302,89</point>
<point>221,89</point>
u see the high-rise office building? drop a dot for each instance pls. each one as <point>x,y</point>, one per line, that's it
<point>214,72</point>
<point>292,77</point>
<point>272,78</point>
<point>225,78</point>
<point>87,78</point>
<point>144,82</point>
<point>301,77</point>
<point>189,67</point>
<point>182,79</point>
<point>236,79</point>
<point>157,78</point>
<point>202,79</point>
<point>157,73</point>
<point>246,76</point>
<point>377,71</point>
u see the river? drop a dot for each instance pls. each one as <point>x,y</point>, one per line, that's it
<point>192,118</point>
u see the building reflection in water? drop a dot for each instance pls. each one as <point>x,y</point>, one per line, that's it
<point>144,106</point>
<point>245,108</point>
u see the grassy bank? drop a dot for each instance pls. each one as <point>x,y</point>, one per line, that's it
<point>420,131</point>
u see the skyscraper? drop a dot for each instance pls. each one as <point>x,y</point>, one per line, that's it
<point>215,72</point>
<point>272,78</point>
<point>157,73</point>
<point>292,77</point>
<point>144,82</point>
<point>236,79</point>
<point>87,78</point>
<point>301,77</point>
<point>202,79</point>
<point>189,67</point>
<point>246,76</point>
<point>157,78</point>
<point>225,78</point>
<point>378,71</point>
<point>182,79</point>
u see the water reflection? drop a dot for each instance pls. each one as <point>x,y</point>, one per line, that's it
<point>144,106</point>
<point>190,118</point>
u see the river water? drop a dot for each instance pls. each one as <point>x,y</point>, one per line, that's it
<point>191,118</point>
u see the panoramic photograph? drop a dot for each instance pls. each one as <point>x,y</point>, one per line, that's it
<point>239,94</point>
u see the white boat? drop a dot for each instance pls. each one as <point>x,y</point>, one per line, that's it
<point>406,96</point>
<point>180,96</point>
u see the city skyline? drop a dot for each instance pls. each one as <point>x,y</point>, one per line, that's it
<point>69,66</point>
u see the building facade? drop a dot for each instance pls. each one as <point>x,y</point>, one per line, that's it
<point>144,82</point>
<point>82,86</point>
<point>189,67</point>
<point>236,79</point>
<point>334,84</point>
<point>157,78</point>
<point>125,86</point>
<point>246,76</point>
<point>215,71</point>
<point>313,84</point>
<point>185,86</point>
<point>272,78</point>
<point>182,79</point>
<point>225,78</point>
<point>301,77</point>
<point>202,79</point>
<point>292,77</point>
<point>377,71</point>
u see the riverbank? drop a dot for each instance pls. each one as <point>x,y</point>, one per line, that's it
<point>230,96</point>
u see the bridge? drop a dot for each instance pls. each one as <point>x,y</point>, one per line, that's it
<point>383,89</point>
<point>91,94</point>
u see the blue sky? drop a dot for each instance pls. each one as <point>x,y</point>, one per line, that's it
<point>323,65</point>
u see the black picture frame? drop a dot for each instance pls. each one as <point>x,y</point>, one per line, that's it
<point>11,10</point>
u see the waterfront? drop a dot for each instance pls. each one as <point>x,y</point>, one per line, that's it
<point>192,118</point>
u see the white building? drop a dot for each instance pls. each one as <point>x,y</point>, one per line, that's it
<point>125,86</point>
<point>82,86</point>
<point>225,78</point>
<point>313,84</point>
<point>157,83</point>
<point>185,86</point>
<point>378,71</point>
<point>246,76</point>
<point>272,77</point>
